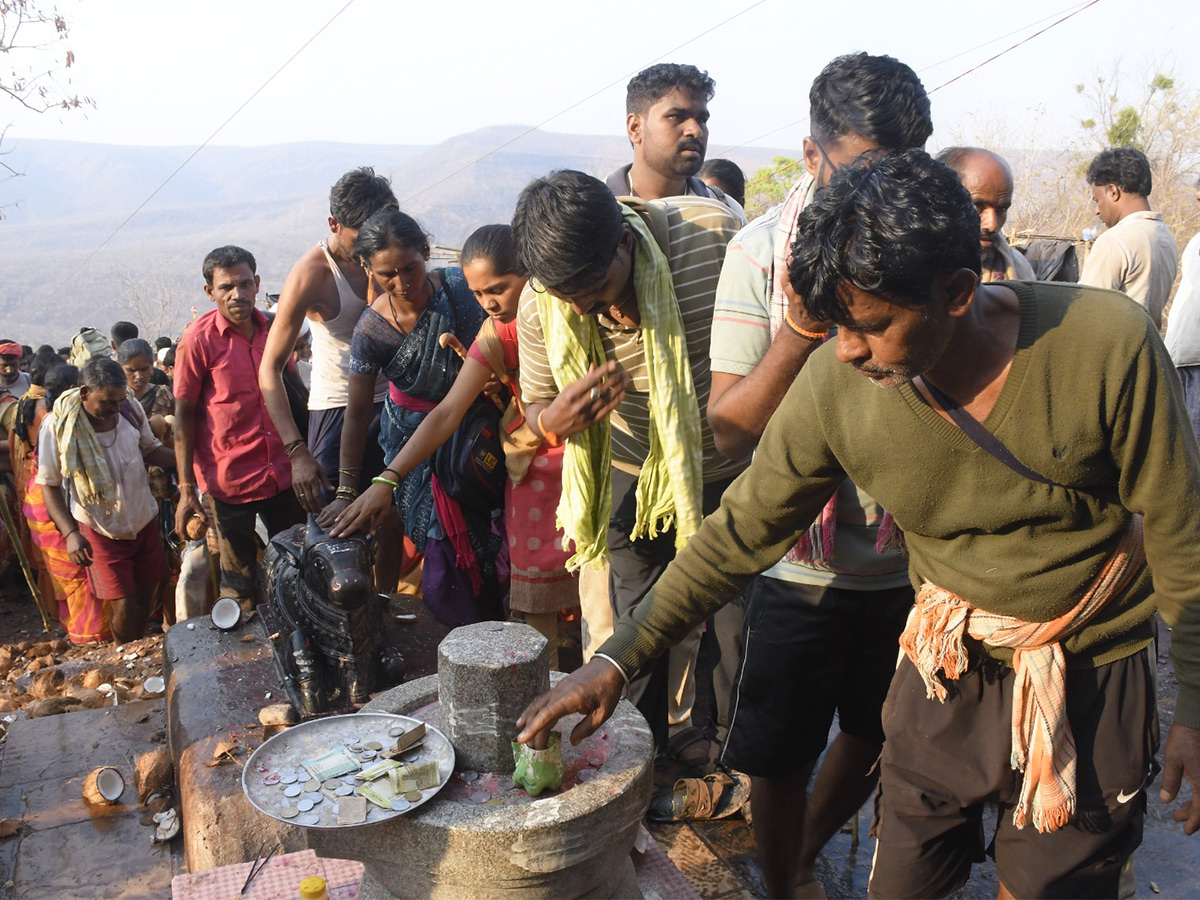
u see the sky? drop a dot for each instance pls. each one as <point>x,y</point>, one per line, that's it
<point>171,72</point>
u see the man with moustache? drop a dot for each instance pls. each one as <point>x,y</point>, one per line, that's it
<point>666,119</point>
<point>226,445</point>
<point>990,181</point>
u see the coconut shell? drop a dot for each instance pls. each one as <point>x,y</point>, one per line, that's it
<point>52,706</point>
<point>105,776</point>
<point>89,697</point>
<point>153,772</point>
<point>93,678</point>
<point>195,528</point>
<point>47,684</point>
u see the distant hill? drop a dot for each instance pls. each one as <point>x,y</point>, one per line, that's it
<point>272,200</point>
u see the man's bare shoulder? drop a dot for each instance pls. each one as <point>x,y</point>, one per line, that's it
<point>310,286</point>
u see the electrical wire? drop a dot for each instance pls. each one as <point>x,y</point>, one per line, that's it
<point>206,142</point>
<point>1025,40</point>
<point>561,112</point>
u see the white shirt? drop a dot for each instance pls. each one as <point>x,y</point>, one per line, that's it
<point>1137,256</point>
<point>1183,326</point>
<point>134,506</point>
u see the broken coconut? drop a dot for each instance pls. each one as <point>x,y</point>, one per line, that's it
<point>167,825</point>
<point>153,772</point>
<point>46,684</point>
<point>103,786</point>
<point>226,613</point>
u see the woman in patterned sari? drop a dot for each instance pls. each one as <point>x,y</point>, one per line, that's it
<point>398,335</point>
<point>83,615</point>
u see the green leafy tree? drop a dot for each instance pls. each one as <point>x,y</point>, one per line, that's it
<point>769,185</point>
<point>1157,114</point>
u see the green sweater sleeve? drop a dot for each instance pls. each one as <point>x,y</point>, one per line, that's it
<point>762,514</point>
<point>1155,450</point>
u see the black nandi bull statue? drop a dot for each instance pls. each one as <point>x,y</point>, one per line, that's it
<point>332,624</point>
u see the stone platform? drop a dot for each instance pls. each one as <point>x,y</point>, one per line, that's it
<point>63,847</point>
<point>217,681</point>
<point>484,839</point>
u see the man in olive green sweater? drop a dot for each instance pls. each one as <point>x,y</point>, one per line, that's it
<point>1034,545</point>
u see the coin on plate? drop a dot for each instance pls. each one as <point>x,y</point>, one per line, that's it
<point>314,798</point>
<point>310,819</point>
<point>289,812</point>
<point>304,805</point>
<point>400,804</point>
<point>312,785</point>
<point>413,796</point>
<point>293,790</point>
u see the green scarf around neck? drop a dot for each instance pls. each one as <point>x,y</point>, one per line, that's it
<point>669,489</point>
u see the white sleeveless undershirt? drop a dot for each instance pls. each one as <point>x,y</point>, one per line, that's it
<point>331,346</point>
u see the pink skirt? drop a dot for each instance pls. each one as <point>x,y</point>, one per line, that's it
<point>540,582</point>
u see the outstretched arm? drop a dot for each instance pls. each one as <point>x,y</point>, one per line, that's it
<point>309,480</point>
<point>434,430</point>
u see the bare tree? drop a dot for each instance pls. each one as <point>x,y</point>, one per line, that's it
<point>35,60</point>
<point>159,303</point>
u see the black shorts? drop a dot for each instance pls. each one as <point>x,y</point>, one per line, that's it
<point>325,444</point>
<point>943,761</point>
<point>809,652</point>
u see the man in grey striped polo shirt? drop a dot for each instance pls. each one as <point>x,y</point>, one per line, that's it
<point>572,236</point>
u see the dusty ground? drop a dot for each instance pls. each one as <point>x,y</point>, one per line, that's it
<point>42,673</point>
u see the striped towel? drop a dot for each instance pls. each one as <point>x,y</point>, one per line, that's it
<point>670,485</point>
<point>1042,744</point>
<point>81,457</point>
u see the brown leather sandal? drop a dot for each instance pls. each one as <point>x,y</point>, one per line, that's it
<point>714,796</point>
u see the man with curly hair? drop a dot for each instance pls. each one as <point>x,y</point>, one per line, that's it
<point>1043,537</point>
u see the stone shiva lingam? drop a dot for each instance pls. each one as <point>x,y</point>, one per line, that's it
<point>331,650</point>
<point>483,835</point>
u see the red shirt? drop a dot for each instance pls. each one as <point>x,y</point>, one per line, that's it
<point>238,454</point>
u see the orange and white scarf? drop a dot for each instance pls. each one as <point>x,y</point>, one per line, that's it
<point>1042,744</point>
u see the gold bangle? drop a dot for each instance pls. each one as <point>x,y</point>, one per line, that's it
<point>811,335</point>
<point>291,448</point>
<point>346,493</point>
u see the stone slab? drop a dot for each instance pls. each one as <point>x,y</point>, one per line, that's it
<point>216,681</point>
<point>220,826</point>
<point>65,848</point>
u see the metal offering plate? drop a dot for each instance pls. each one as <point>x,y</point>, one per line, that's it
<point>268,774</point>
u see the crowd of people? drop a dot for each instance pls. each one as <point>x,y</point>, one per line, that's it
<point>632,403</point>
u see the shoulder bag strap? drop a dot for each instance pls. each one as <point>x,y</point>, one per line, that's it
<point>981,436</point>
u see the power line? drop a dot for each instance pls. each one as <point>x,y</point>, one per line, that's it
<point>561,112</point>
<point>207,141</point>
<point>1077,9</point>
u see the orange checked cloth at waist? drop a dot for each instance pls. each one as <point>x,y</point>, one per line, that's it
<point>1042,744</point>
